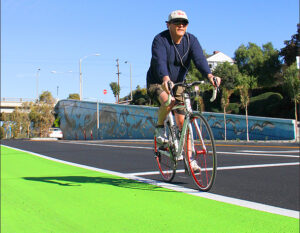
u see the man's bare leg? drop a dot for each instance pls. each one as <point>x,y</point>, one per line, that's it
<point>163,109</point>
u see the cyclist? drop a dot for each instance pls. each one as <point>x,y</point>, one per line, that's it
<point>172,52</point>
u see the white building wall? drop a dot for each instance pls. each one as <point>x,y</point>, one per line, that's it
<point>218,58</point>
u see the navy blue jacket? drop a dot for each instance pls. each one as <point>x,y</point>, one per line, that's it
<point>165,60</point>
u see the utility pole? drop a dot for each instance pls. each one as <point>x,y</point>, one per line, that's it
<point>118,79</point>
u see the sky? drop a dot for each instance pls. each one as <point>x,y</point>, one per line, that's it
<point>42,41</point>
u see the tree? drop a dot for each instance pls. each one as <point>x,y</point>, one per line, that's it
<point>5,117</point>
<point>261,63</point>
<point>140,96</point>
<point>41,114</point>
<point>292,86</point>
<point>2,132</point>
<point>194,73</point>
<point>20,121</point>
<point>245,83</point>
<point>46,97</point>
<point>74,96</point>
<point>289,52</point>
<point>115,89</point>
<point>229,74</point>
<point>249,59</point>
<point>271,69</point>
<point>224,104</point>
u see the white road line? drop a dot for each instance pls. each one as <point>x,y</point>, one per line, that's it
<point>221,168</point>
<point>280,151</point>
<point>106,145</point>
<point>151,148</point>
<point>216,197</point>
<point>257,154</point>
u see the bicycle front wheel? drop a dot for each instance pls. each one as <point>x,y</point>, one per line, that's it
<point>200,149</point>
<point>166,163</point>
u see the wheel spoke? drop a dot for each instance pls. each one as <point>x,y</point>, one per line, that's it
<point>204,153</point>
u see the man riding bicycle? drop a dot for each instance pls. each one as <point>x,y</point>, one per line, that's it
<point>172,52</point>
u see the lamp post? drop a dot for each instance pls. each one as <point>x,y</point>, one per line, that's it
<point>130,80</point>
<point>80,74</point>
<point>37,84</point>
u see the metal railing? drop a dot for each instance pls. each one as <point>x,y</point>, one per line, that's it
<point>21,100</point>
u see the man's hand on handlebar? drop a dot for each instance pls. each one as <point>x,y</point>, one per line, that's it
<point>166,83</point>
<point>215,81</point>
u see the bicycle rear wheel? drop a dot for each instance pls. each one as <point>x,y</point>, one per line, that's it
<point>166,163</point>
<point>200,146</point>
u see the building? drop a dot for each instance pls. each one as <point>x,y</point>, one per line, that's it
<point>218,58</point>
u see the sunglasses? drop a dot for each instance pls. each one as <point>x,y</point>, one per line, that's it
<point>178,22</point>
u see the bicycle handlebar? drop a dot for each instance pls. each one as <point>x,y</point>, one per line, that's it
<point>190,85</point>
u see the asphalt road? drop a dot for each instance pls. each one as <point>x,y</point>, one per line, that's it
<point>266,173</point>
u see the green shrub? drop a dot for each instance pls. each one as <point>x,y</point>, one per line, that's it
<point>266,104</point>
<point>233,108</point>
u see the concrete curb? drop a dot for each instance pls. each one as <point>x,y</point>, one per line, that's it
<point>43,139</point>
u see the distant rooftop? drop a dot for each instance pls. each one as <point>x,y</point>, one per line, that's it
<point>217,58</point>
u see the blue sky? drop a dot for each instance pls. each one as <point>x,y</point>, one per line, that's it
<point>54,34</point>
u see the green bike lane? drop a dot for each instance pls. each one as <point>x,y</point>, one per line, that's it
<point>42,195</point>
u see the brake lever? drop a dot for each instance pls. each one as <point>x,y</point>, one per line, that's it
<point>216,83</point>
<point>170,88</point>
<point>215,90</point>
<point>170,95</point>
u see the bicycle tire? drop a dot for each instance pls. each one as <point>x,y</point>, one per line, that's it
<point>204,152</point>
<point>166,164</point>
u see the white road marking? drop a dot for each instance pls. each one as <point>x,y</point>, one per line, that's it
<point>257,154</point>
<point>216,197</point>
<point>106,145</point>
<point>279,151</point>
<point>218,152</point>
<point>221,168</point>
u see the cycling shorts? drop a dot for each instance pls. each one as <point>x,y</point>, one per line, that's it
<point>155,90</point>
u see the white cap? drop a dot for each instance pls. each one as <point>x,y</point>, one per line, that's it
<point>178,14</point>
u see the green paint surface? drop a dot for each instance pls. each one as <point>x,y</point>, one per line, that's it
<point>40,195</point>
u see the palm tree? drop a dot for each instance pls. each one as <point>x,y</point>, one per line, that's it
<point>229,74</point>
<point>245,84</point>
<point>224,103</point>
<point>292,86</point>
<point>115,89</point>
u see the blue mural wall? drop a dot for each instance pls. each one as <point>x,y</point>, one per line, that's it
<point>78,120</point>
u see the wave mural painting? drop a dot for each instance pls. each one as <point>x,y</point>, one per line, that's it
<point>82,120</point>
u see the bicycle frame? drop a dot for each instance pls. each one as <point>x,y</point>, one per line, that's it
<point>179,145</point>
<point>195,140</point>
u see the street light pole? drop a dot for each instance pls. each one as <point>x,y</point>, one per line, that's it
<point>130,80</point>
<point>37,84</point>
<point>80,73</point>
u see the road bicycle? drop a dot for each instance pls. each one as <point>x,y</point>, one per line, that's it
<point>194,142</point>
